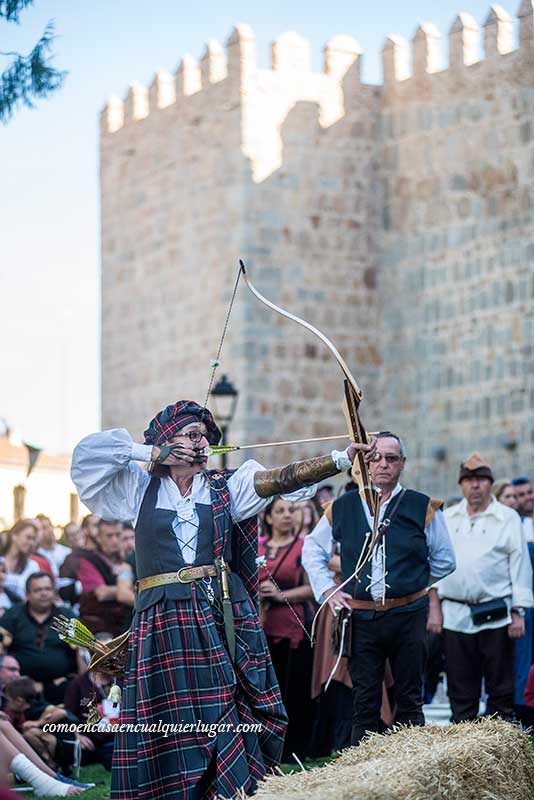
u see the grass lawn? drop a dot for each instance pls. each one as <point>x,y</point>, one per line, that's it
<point>97,774</point>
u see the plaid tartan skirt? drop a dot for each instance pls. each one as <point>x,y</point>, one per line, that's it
<point>178,671</point>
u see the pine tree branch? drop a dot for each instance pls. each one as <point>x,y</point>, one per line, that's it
<point>29,77</point>
<point>10,9</point>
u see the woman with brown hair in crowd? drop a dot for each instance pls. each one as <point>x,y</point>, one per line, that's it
<point>286,597</point>
<point>19,563</point>
<point>306,517</point>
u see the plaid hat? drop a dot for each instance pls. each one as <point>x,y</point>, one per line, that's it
<point>177,416</point>
<point>475,467</point>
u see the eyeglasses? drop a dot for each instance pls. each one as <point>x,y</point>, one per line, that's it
<point>389,459</point>
<point>194,436</point>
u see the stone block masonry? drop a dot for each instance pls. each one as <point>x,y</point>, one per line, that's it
<point>396,218</point>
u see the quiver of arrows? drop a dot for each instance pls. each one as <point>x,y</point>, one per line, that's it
<point>107,657</point>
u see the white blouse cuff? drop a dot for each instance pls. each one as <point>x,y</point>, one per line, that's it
<point>141,452</point>
<point>341,460</point>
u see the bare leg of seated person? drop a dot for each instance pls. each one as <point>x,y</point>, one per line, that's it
<point>12,760</point>
<point>22,746</point>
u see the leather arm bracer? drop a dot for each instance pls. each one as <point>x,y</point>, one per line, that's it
<point>285,480</point>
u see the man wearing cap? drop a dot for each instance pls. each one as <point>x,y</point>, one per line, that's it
<point>197,654</point>
<point>483,602</point>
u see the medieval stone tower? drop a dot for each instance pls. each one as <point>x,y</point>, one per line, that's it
<point>398,219</point>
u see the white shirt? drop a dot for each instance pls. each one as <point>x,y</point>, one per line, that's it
<point>492,562</point>
<point>56,556</point>
<point>318,550</point>
<point>112,486</point>
<point>16,581</point>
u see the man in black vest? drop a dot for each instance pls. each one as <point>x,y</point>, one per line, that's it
<point>389,606</point>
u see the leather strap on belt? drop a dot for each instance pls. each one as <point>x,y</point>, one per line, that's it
<point>184,575</point>
<point>388,604</point>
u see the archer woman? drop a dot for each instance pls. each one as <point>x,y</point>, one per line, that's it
<point>197,656</point>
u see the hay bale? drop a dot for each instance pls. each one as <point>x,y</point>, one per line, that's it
<point>485,760</point>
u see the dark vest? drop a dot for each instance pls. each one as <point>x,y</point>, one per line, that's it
<point>405,543</point>
<point>157,549</point>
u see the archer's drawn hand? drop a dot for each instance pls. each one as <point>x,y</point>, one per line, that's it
<point>337,601</point>
<point>368,450</point>
<point>177,455</point>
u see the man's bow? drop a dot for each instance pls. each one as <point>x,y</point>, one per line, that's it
<point>351,403</point>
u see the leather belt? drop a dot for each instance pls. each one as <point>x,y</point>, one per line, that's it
<point>184,575</point>
<point>388,604</point>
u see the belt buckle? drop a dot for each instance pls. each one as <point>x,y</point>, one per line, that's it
<point>180,573</point>
<point>379,605</point>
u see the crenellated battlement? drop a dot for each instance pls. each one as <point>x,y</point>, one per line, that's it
<point>235,64</point>
<point>396,217</point>
<point>403,63</point>
<point>467,48</point>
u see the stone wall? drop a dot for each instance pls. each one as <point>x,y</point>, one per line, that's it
<point>396,218</point>
<point>278,167</point>
<point>458,267</point>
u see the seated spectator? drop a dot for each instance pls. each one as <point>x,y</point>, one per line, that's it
<point>90,531</point>
<point>9,671</point>
<point>284,624</point>
<point>17,757</point>
<point>97,571</point>
<point>22,541</point>
<point>7,597</point>
<point>28,637</point>
<point>49,547</point>
<point>72,536</point>
<point>504,492</point>
<point>29,713</point>
<point>97,747</point>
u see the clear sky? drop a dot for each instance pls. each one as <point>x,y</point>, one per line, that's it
<point>49,252</point>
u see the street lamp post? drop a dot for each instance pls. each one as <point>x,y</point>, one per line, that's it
<point>224,396</point>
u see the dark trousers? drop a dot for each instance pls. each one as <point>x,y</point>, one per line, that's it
<point>401,638</point>
<point>488,654</point>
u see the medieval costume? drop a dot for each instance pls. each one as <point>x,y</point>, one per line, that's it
<point>190,662</point>
<point>389,607</point>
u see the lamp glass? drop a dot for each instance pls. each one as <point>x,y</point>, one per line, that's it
<point>224,400</point>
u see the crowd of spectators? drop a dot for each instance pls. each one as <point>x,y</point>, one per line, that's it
<point>78,571</point>
<point>88,571</point>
